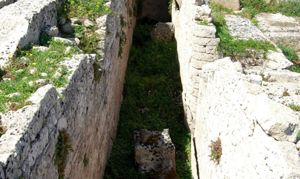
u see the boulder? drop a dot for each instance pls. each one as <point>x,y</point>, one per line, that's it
<point>163,32</point>
<point>155,153</point>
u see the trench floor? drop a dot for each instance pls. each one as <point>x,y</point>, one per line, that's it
<point>152,100</point>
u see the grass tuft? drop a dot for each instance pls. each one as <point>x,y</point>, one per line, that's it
<point>216,150</point>
<point>295,107</point>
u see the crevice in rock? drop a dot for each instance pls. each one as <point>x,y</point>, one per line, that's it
<point>151,98</point>
<point>196,157</point>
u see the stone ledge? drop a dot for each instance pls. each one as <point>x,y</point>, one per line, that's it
<point>22,23</point>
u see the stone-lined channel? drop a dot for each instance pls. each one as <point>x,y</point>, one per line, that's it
<point>152,100</point>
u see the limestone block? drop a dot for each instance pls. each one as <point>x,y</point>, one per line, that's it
<point>276,60</point>
<point>163,32</point>
<point>276,119</point>
<point>204,31</point>
<point>231,4</point>
<point>242,28</point>
<point>155,153</point>
<point>22,23</point>
<point>251,147</point>
<point>280,29</point>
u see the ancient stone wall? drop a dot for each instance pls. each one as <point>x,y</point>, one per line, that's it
<point>241,124</point>
<point>84,113</point>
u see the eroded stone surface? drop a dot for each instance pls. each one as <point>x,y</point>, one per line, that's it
<point>87,108</point>
<point>22,24</point>
<point>242,28</point>
<point>163,32</point>
<point>155,153</point>
<point>252,128</point>
<point>280,29</point>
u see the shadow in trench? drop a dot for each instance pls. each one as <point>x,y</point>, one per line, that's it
<point>152,100</point>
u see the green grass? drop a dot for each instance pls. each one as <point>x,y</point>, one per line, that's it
<point>230,46</point>
<point>289,52</point>
<point>22,76</point>
<point>294,107</point>
<point>254,7</point>
<point>292,56</point>
<point>152,100</point>
<point>86,9</point>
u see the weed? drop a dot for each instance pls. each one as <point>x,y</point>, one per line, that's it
<point>285,93</point>
<point>295,107</point>
<point>89,41</point>
<point>289,53</point>
<point>152,83</point>
<point>298,136</point>
<point>292,56</point>
<point>62,149</point>
<point>216,150</point>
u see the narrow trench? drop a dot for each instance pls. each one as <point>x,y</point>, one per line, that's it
<point>152,100</point>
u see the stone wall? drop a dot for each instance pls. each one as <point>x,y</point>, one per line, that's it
<point>85,112</point>
<point>243,107</point>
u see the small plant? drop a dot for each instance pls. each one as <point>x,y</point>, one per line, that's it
<point>216,150</point>
<point>62,149</point>
<point>289,53</point>
<point>285,93</point>
<point>295,107</point>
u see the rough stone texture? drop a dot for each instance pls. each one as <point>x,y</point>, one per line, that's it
<point>163,32</point>
<point>87,108</point>
<point>257,133</point>
<point>155,153</point>
<point>155,10</point>
<point>22,24</point>
<point>245,106</point>
<point>231,4</point>
<point>281,29</point>
<point>242,28</point>
<point>196,46</point>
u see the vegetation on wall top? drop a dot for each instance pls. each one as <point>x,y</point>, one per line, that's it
<point>230,46</point>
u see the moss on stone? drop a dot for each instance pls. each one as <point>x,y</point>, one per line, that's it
<point>62,150</point>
